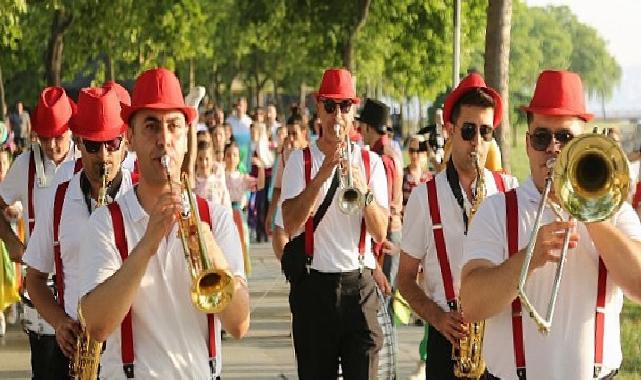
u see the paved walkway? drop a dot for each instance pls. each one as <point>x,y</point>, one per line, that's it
<point>265,353</point>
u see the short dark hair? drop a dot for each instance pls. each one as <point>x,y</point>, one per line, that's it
<point>476,97</point>
<point>203,145</point>
<point>229,146</point>
<point>295,120</point>
<point>530,117</point>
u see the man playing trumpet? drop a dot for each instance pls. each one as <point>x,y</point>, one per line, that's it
<point>604,260</point>
<point>437,216</point>
<point>135,269</point>
<point>55,244</point>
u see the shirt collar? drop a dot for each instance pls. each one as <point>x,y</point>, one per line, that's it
<point>530,191</point>
<point>130,200</point>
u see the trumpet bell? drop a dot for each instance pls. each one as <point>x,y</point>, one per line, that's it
<point>212,290</point>
<point>591,177</point>
<point>350,201</point>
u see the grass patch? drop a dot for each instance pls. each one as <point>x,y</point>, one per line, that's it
<point>631,341</point>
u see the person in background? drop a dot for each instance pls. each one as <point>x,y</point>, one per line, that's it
<point>273,125</point>
<point>10,273</point>
<point>218,142</point>
<point>258,204</point>
<point>240,124</point>
<point>210,176</point>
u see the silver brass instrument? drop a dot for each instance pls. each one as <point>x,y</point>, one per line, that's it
<point>468,358</point>
<point>591,180</point>
<point>350,199</point>
<point>86,360</point>
<point>102,192</point>
<point>212,289</point>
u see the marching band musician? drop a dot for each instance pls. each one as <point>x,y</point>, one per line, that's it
<point>437,215</point>
<point>134,266</point>
<point>334,305</point>
<point>55,244</point>
<point>604,261</point>
<point>42,166</point>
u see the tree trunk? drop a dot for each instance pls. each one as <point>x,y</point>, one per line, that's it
<point>3,103</point>
<point>359,22</point>
<point>497,54</point>
<point>53,60</point>
<point>192,74</point>
<point>109,68</point>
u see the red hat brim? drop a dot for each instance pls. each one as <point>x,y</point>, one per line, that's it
<point>557,111</point>
<point>128,111</point>
<point>355,99</point>
<point>96,135</point>
<point>454,97</point>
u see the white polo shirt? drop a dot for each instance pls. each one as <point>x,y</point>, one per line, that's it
<point>73,221</point>
<point>418,236</point>
<point>15,186</point>
<point>337,236</point>
<point>567,352</point>
<point>170,335</point>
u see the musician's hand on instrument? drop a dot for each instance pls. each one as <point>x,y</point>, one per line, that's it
<point>358,179</point>
<point>390,248</point>
<point>549,242</point>
<point>329,163</point>
<point>381,281</point>
<point>67,331</point>
<point>162,217</point>
<point>451,325</point>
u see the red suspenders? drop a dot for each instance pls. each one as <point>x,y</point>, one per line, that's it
<point>57,214</point>
<point>126,330</point>
<point>31,179</point>
<point>637,196</point>
<point>511,210</point>
<point>309,224</point>
<point>439,237</point>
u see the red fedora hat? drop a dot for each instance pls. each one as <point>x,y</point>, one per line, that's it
<point>559,93</point>
<point>98,116</point>
<point>337,84</point>
<point>52,113</point>
<point>157,89</point>
<point>471,82</point>
<point>123,94</point>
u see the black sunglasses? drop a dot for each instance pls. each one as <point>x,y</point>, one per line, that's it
<point>468,132</point>
<point>94,146</point>
<point>330,105</point>
<point>541,138</point>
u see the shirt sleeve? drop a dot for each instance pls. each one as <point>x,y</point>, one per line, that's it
<point>39,252</point>
<point>378,181</point>
<point>627,221</point>
<point>416,224</point>
<point>100,258</point>
<point>227,238</point>
<point>278,178</point>
<point>293,181</point>
<point>486,238</point>
<point>14,185</point>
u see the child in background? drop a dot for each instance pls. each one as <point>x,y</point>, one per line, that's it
<point>239,184</point>
<point>258,202</point>
<point>210,177</point>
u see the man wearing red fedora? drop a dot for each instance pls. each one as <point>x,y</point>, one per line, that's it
<point>134,269</point>
<point>603,262</point>
<point>55,244</point>
<point>333,295</point>
<point>42,166</point>
<point>437,216</point>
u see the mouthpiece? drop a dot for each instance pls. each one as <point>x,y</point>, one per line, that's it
<point>165,161</point>
<point>337,129</point>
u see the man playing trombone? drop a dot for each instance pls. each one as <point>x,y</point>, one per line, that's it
<point>147,273</point>
<point>603,263</point>
<point>437,215</point>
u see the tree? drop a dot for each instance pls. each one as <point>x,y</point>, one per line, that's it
<point>10,34</point>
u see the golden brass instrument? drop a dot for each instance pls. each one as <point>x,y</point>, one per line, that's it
<point>212,289</point>
<point>102,192</point>
<point>591,180</point>
<point>350,199</point>
<point>86,360</point>
<point>468,358</point>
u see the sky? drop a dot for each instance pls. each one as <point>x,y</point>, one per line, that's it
<point>617,22</point>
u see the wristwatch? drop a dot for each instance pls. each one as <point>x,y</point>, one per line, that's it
<point>369,198</point>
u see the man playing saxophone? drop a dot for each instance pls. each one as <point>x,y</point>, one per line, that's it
<point>139,283</point>
<point>55,243</point>
<point>437,215</point>
<point>603,263</point>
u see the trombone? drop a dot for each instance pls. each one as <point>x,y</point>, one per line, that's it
<point>591,180</point>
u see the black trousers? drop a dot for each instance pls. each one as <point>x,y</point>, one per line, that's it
<point>47,360</point>
<point>439,364</point>
<point>334,316</point>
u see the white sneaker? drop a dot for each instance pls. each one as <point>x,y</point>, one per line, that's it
<point>419,374</point>
<point>3,325</point>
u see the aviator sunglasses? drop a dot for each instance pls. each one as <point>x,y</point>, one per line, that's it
<point>94,146</point>
<point>330,105</point>
<point>468,132</point>
<point>541,138</point>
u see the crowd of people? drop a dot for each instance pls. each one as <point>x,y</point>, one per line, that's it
<point>99,215</point>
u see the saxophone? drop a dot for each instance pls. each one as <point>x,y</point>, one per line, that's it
<point>85,362</point>
<point>468,358</point>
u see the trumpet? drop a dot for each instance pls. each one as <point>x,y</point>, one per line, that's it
<point>212,289</point>
<point>102,192</point>
<point>350,199</point>
<point>468,358</point>
<point>591,180</point>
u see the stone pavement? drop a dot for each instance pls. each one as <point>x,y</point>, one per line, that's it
<point>265,353</point>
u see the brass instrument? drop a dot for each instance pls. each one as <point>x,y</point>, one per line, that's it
<point>86,360</point>
<point>102,192</point>
<point>591,180</point>
<point>350,199</point>
<point>212,289</point>
<point>468,358</point>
